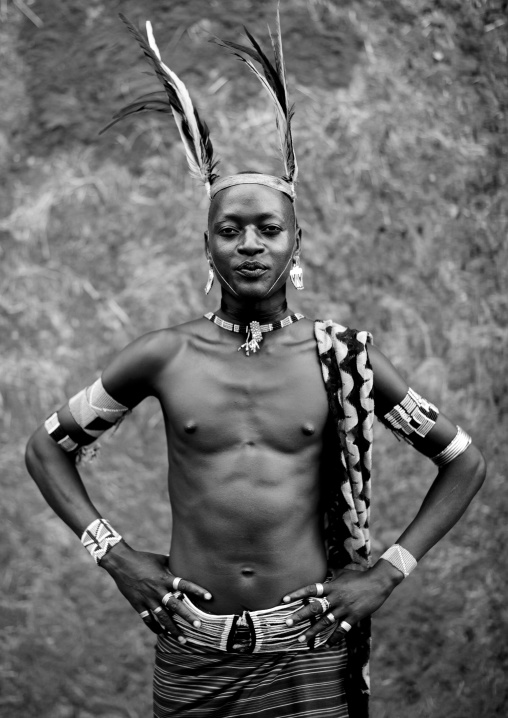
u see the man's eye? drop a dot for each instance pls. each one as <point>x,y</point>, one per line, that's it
<point>271,229</point>
<point>228,231</point>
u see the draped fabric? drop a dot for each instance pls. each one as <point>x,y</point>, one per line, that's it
<point>349,384</point>
<point>198,683</point>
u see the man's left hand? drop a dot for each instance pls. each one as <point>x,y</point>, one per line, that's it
<point>352,595</point>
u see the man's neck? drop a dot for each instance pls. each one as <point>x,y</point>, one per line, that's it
<point>268,310</point>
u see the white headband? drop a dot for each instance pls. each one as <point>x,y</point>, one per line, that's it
<point>268,180</point>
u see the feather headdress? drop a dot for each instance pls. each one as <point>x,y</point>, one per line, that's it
<point>176,99</point>
<point>273,79</point>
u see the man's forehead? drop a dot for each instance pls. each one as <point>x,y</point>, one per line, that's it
<point>251,196</point>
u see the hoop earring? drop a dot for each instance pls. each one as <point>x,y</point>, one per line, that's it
<point>211,277</point>
<point>296,274</point>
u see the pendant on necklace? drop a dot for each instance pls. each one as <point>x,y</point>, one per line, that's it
<point>254,337</point>
<point>254,330</point>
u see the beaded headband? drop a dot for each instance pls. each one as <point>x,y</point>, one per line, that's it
<point>194,132</point>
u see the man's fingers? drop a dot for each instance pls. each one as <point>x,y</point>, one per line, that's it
<point>314,589</point>
<point>336,636</point>
<point>150,622</point>
<point>315,608</point>
<point>329,618</point>
<point>173,604</point>
<point>167,623</point>
<point>181,584</point>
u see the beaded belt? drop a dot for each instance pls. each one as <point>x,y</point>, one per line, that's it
<point>252,631</point>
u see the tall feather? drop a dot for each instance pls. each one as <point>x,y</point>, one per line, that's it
<point>176,99</point>
<point>273,79</point>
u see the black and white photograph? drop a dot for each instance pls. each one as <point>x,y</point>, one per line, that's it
<point>253,352</point>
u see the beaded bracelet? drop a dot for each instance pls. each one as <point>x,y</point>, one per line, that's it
<point>400,558</point>
<point>99,538</point>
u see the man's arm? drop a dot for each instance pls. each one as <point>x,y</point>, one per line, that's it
<point>354,595</point>
<point>457,481</point>
<point>143,578</point>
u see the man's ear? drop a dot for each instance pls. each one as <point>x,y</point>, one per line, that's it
<point>207,246</point>
<point>298,241</point>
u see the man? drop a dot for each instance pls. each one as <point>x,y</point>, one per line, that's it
<point>258,609</point>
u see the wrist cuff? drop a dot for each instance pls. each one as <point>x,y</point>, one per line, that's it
<point>98,538</point>
<point>400,558</point>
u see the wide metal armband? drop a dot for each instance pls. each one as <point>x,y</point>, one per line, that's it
<point>58,434</point>
<point>455,448</point>
<point>414,415</point>
<point>95,411</point>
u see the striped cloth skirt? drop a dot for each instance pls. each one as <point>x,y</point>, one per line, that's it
<point>255,667</point>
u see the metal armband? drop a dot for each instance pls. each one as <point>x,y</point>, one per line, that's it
<point>455,448</point>
<point>93,409</point>
<point>58,434</point>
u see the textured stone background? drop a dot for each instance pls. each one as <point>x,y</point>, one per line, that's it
<point>401,135</point>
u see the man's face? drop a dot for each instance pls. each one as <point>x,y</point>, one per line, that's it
<point>251,239</point>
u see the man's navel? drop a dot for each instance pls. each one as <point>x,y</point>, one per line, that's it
<point>248,572</point>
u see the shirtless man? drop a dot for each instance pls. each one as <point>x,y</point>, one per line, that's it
<point>246,445</point>
<point>251,613</point>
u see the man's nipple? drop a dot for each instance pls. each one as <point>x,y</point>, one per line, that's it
<point>308,429</point>
<point>190,427</point>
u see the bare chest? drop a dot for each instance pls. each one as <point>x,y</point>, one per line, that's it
<point>221,398</point>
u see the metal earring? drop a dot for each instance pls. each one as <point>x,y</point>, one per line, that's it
<point>211,277</point>
<point>296,274</point>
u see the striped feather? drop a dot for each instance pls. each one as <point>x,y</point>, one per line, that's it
<point>176,99</point>
<point>273,78</point>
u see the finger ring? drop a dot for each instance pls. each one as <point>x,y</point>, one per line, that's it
<point>176,583</point>
<point>330,617</point>
<point>144,614</point>
<point>320,589</point>
<point>325,604</point>
<point>345,626</point>
<point>167,597</point>
<point>158,609</point>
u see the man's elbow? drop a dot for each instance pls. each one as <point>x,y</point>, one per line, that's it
<point>478,465</point>
<point>34,451</point>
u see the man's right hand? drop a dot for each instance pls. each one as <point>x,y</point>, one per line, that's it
<point>144,579</point>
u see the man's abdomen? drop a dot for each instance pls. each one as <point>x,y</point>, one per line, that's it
<point>252,535</point>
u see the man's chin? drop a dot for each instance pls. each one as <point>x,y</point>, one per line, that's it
<point>249,290</point>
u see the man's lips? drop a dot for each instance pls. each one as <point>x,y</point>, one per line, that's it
<point>251,269</point>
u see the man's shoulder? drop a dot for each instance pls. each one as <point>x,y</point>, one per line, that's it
<point>145,357</point>
<point>162,342</point>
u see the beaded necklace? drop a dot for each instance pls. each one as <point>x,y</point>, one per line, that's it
<point>254,330</point>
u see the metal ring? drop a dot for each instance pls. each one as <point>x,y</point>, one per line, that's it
<point>320,589</point>
<point>167,597</point>
<point>330,617</point>
<point>176,583</point>
<point>345,626</point>
<point>158,609</point>
<point>325,604</point>
<point>144,614</point>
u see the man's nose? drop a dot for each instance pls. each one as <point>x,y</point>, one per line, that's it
<point>250,241</point>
